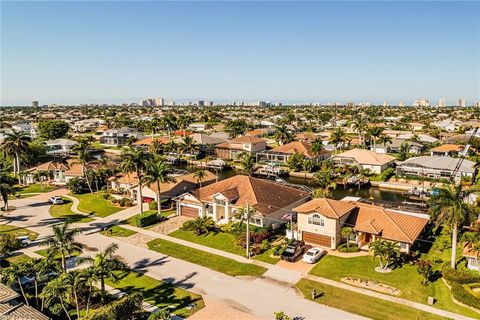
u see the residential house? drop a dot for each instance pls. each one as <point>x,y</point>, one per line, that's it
<point>222,200</point>
<point>472,255</point>
<point>395,144</point>
<point>282,153</point>
<point>207,143</point>
<point>59,147</point>
<point>423,138</point>
<point>11,309</point>
<point>147,142</point>
<point>260,133</point>
<point>366,159</point>
<point>446,150</point>
<point>243,144</point>
<point>26,127</point>
<point>52,171</point>
<point>118,137</point>
<point>320,222</point>
<point>437,167</point>
<point>197,127</point>
<point>87,125</point>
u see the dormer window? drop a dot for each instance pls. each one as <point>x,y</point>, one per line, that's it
<point>317,220</point>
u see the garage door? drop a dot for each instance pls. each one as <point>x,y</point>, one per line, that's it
<point>189,212</point>
<point>317,239</point>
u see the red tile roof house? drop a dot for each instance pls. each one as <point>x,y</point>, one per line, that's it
<point>221,200</point>
<point>281,154</point>
<point>320,221</point>
<point>244,144</point>
<point>366,159</point>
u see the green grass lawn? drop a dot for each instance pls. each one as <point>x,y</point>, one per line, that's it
<point>266,257</point>
<point>117,231</point>
<point>16,257</point>
<point>405,278</point>
<point>35,188</point>
<point>361,304</point>
<point>18,231</point>
<point>165,214</point>
<point>159,293</point>
<point>64,211</point>
<point>96,204</point>
<point>218,240</point>
<point>206,259</point>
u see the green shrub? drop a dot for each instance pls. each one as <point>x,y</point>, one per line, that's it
<point>152,205</point>
<point>352,248</point>
<point>125,202</point>
<point>460,276</point>
<point>162,314</point>
<point>278,250</point>
<point>146,219</point>
<point>228,227</point>
<point>265,245</point>
<point>461,294</point>
<point>122,309</point>
<point>105,196</point>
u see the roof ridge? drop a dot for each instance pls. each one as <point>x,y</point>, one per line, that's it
<point>387,213</point>
<point>333,209</point>
<point>253,190</point>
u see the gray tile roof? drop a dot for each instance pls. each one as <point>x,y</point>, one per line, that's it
<point>442,163</point>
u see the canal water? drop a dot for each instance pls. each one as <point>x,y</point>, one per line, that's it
<point>371,193</point>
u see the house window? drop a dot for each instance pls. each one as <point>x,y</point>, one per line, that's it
<point>316,220</point>
<point>403,246</point>
<point>256,221</point>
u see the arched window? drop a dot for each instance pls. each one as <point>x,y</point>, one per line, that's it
<point>316,219</point>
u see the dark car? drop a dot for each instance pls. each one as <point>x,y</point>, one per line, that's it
<point>293,251</point>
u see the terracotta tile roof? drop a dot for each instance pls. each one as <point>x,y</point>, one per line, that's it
<point>448,148</point>
<point>363,156</point>
<point>188,178</point>
<point>390,225</point>
<point>149,140</point>
<point>302,147</point>
<point>247,139</point>
<point>256,132</point>
<point>7,294</point>
<point>49,166</point>
<point>263,195</point>
<point>327,207</point>
<point>302,136</point>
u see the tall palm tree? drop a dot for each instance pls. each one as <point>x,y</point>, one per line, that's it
<point>43,268</point>
<point>13,274</point>
<point>199,175</point>
<point>135,160</point>
<point>375,132</point>
<point>88,277</point>
<point>63,243</point>
<point>384,139</point>
<point>282,135</point>
<point>104,264</point>
<point>359,125</point>
<point>82,148</point>
<point>338,137</point>
<point>172,147</point>
<point>317,146</point>
<point>248,164</point>
<point>157,171</point>
<point>189,145</point>
<point>448,207</point>
<point>15,144</point>
<point>56,291</point>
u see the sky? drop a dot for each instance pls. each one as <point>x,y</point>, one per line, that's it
<point>112,52</point>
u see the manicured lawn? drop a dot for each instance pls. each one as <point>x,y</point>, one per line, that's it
<point>159,293</point>
<point>206,259</point>
<point>117,231</point>
<point>64,211</point>
<point>405,278</point>
<point>17,231</point>
<point>266,257</point>
<point>96,204</point>
<point>165,214</point>
<point>218,240</point>
<point>35,188</point>
<point>16,257</point>
<point>361,304</point>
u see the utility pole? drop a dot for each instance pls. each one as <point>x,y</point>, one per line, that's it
<point>247,216</point>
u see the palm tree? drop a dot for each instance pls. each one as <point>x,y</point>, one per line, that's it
<point>386,251</point>
<point>135,160</point>
<point>104,264</point>
<point>359,125</point>
<point>43,268</point>
<point>172,147</point>
<point>62,243</point>
<point>6,188</point>
<point>375,132</point>
<point>384,139</point>
<point>317,146</point>
<point>14,145</point>
<point>248,164</point>
<point>13,274</point>
<point>323,179</point>
<point>157,171</point>
<point>56,291</point>
<point>189,145</point>
<point>282,135</point>
<point>88,277</point>
<point>338,137</point>
<point>346,232</point>
<point>82,148</point>
<point>199,175</point>
<point>448,207</point>
<point>199,225</point>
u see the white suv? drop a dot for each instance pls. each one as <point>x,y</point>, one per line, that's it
<point>56,200</point>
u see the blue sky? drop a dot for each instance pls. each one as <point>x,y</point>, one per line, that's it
<point>74,52</point>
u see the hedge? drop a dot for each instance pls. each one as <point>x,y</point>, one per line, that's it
<point>146,219</point>
<point>460,276</point>
<point>461,294</point>
<point>122,309</point>
<point>352,248</point>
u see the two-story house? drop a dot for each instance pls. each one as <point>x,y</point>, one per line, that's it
<point>59,146</point>
<point>118,137</point>
<point>222,200</point>
<point>243,144</point>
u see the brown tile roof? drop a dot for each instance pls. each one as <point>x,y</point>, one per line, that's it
<point>448,148</point>
<point>49,166</point>
<point>390,225</point>
<point>256,132</point>
<point>7,294</point>
<point>188,178</point>
<point>302,147</point>
<point>363,156</point>
<point>149,140</point>
<point>327,207</point>
<point>263,195</point>
<point>247,139</point>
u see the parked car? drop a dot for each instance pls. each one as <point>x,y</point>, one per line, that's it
<point>29,282</point>
<point>293,251</point>
<point>24,241</point>
<point>56,200</point>
<point>313,255</point>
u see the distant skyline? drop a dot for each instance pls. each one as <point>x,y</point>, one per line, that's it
<point>116,52</point>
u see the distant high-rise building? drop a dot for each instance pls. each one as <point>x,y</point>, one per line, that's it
<point>461,102</point>
<point>421,103</point>
<point>159,102</point>
<point>442,102</point>
<point>350,104</point>
<point>477,104</point>
<point>401,104</point>
<point>200,103</point>
<point>35,103</point>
